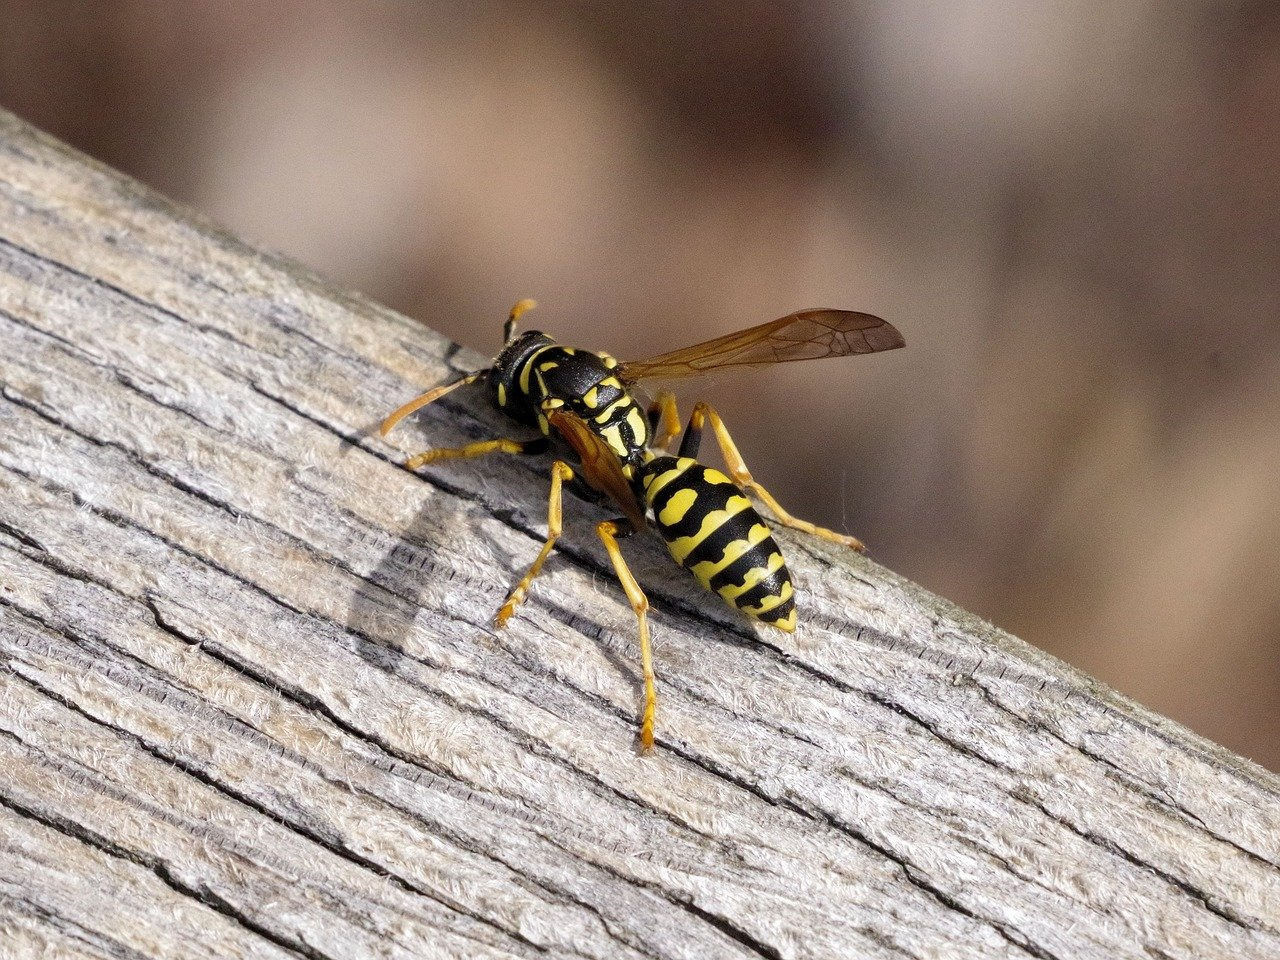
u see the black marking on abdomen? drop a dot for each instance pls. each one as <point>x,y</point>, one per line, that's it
<point>713,493</point>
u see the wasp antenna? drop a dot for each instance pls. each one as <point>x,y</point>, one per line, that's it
<point>417,403</point>
<point>517,311</point>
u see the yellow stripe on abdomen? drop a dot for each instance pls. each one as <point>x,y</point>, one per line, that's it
<point>681,547</point>
<point>733,552</point>
<point>712,530</point>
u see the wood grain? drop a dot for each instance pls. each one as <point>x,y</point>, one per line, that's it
<point>252,704</point>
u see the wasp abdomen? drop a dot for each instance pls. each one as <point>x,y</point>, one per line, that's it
<point>712,531</point>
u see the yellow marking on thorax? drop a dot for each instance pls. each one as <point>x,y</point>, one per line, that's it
<point>612,435</point>
<point>530,364</point>
<point>591,397</point>
<point>609,362</point>
<point>502,394</point>
<point>604,415</point>
<point>542,368</point>
<point>639,428</point>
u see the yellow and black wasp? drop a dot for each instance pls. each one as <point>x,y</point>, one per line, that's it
<point>585,400</point>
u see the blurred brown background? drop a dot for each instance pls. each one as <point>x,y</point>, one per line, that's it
<point>1071,210</point>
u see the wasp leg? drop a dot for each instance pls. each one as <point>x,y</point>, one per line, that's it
<point>742,476</point>
<point>560,472</point>
<point>664,420</point>
<point>479,449</point>
<point>609,531</point>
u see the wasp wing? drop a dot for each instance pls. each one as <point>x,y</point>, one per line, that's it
<point>805,335</point>
<point>600,464</point>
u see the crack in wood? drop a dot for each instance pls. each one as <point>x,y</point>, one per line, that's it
<point>164,874</point>
<point>81,934</point>
<point>332,844</point>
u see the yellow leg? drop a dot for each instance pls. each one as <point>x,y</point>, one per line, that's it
<point>478,449</point>
<point>608,531</point>
<point>664,420</point>
<point>741,475</point>
<point>560,473</point>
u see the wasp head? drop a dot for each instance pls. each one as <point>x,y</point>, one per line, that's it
<point>505,375</point>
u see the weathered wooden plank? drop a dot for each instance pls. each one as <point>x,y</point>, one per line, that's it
<point>251,687</point>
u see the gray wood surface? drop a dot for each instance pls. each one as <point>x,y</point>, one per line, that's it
<point>252,705</point>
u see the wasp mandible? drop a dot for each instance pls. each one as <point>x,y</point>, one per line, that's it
<point>584,402</point>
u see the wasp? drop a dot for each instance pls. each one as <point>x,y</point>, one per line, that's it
<point>585,403</point>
